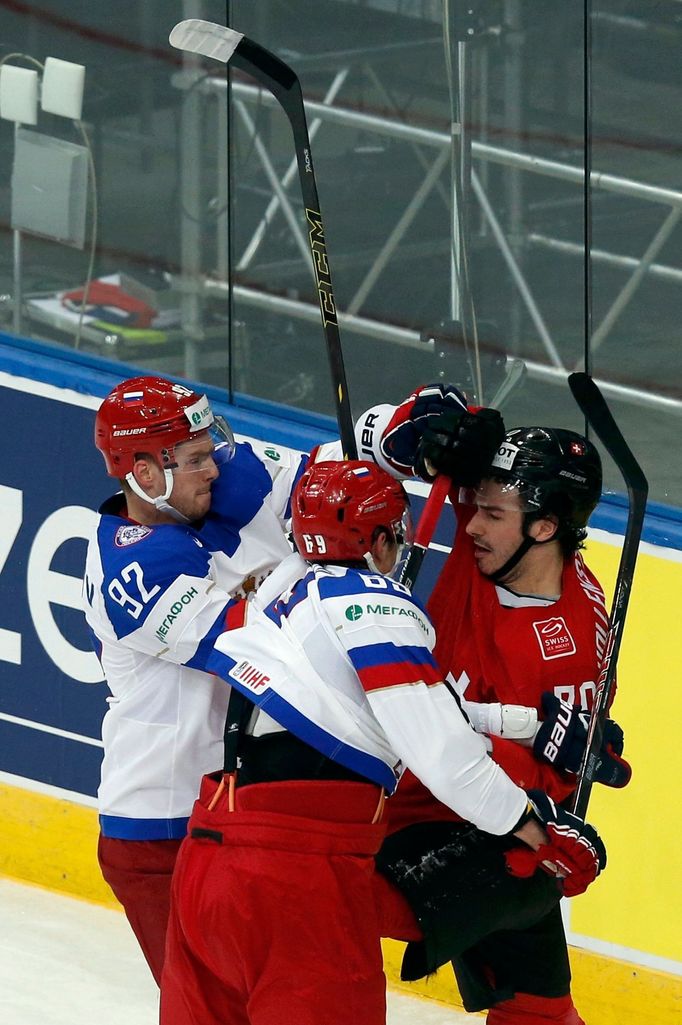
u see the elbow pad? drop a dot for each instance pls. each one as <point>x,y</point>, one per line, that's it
<point>513,722</point>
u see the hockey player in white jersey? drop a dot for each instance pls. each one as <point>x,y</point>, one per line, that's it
<point>200,522</point>
<point>274,918</point>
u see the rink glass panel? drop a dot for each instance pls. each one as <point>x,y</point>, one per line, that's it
<point>432,281</point>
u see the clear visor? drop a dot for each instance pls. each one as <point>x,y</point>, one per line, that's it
<point>214,445</point>
<point>513,494</point>
<point>403,530</point>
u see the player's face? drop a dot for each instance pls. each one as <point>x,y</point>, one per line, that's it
<point>496,527</point>
<point>193,476</point>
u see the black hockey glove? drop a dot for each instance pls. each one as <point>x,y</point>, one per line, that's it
<point>462,447</point>
<point>562,737</point>
<point>400,440</point>
<point>575,853</point>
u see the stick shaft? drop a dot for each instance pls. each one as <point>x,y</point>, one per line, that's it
<point>598,416</point>
<point>425,530</point>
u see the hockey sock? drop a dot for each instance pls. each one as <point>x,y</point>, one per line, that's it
<point>527,1009</point>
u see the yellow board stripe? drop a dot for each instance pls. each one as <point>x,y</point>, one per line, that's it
<point>53,843</point>
<point>606,991</point>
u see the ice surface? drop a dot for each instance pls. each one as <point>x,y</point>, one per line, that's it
<point>66,962</point>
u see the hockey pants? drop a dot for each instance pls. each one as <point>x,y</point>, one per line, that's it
<point>139,872</point>
<point>273,917</point>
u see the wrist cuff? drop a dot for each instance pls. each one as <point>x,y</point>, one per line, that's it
<point>527,815</point>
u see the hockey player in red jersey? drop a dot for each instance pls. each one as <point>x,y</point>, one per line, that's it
<point>521,623</point>
<point>275,918</point>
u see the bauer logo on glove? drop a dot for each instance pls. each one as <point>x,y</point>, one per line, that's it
<point>562,737</point>
<point>401,438</point>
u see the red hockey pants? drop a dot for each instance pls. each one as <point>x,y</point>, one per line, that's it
<point>139,872</point>
<point>273,915</point>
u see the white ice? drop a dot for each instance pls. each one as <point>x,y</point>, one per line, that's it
<point>67,962</point>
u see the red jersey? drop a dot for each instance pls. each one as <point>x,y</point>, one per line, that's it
<point>500,646</point>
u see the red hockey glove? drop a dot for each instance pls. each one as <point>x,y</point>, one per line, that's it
<point>401,438</point>
<point>562,737</point>
<point>575,853</point>
<point>460,446</point>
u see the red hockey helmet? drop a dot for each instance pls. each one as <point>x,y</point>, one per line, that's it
<point>337,507</point>
<point>153,415</point>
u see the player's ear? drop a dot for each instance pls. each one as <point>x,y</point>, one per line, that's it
<point>381,542</point>
<point>144,471</point>
<point>544,528</point>
<point>383,550</point>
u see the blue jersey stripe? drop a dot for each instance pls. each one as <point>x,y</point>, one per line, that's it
<point>278,610</point>
<point>372,768</point>
<point>116,827</point>
<point>371,655</point>
<point>205,647</point>
<point>353,583</point>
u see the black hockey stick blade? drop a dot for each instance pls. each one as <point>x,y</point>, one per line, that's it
<point>600,419</point>
<point>228,46</point>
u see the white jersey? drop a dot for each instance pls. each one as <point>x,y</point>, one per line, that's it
<point>156,598</point>
<point>343,659</point>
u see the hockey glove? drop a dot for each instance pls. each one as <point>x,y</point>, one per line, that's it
<point>562,737</point>
<point>400,440</point>
<point>461,447</point>
<point>575,852</point>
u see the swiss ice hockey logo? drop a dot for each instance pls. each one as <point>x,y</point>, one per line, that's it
<point>554,638</point>
<point>129,534</point>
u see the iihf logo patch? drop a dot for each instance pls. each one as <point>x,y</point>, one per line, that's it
<point>248,675</point>
<point>129,534</point>
<point>554,638</point>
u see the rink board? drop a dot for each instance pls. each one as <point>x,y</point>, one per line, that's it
<point>52,698</point>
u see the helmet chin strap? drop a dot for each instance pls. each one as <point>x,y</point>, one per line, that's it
<point>513,560</point>
<point>161,501</point>
<point>369,559</point>
<point>372,564</point>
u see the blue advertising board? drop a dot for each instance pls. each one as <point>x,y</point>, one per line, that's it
<point>52,694</point>
<point>52,481</point>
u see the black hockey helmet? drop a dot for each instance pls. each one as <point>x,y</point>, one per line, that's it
<point>554,471</point>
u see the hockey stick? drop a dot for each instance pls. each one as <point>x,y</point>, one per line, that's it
<point>226,45</point>
<point>598,416</point>
<point>424,532</point>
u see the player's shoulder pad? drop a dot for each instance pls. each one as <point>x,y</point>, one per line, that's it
<point>358,600</point>
<point>162,552</point>
<point>240,489</point>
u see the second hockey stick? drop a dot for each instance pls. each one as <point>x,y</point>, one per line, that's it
<point>598,416</point>
<point>425,529</point>
<point>227,45</point>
